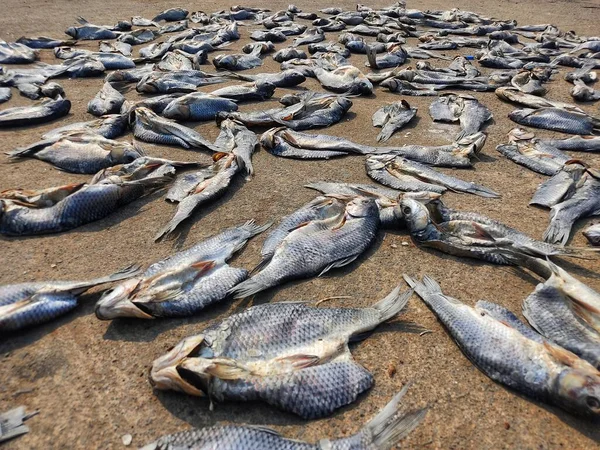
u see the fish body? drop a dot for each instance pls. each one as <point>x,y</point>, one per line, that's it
<point>560,186</point>
<point>90,32</point>
<point>237,139</point>
<point>184,283</point>
<point>41,42</point>
<point>110,127</point>
<point>284,78</point>
<point>555,119</point>
<point>15,53</point>
<point>536,156</point>
<point>149,127</point>
<point>510,353</point>
<point>179,81</point>
<point>318,247</point>
<point>254,91</point>
<point>238,61</point>
<point>171,15</point>
<point>344,79</point>
<point>285,54</point>
<point>270,352</point>
<point>197,106</point>
<point>81,153</point>
<point>88,204</point>
<point>107,101</point>
<point>392,118</point>
<point>45,111</point>
<point>5,94</point>
<point>27,304</point>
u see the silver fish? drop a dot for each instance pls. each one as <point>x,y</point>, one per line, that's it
<point>509,352</point>
<point>285,54</point>
<point>198,106</point>
<point>400,173</point>
<point>239,140</point>
<point>392,117</point>
<point>142,167</point>
<point>15,53</point>
<point>80,152</point>
<point>110,127</point>
<point>268,352</point>
<point>47,110</point>
<point>26,304</point>
<point>384,431</point>
<point>194,190</point>
<point>285,78</point>
<point>179,81</point>
<point>107,101</point>
<point>462,108</point>
<point>555,119</point>
<point>184,283</point>
<point>5,94</point>
<point>561,186</point>
<point>592,234</point>
<point>532,101</point>
<point>238,61</point>
<point>331,243</point>
<point>149,127</point>
<point>344,79</point>
<point>253,91</point>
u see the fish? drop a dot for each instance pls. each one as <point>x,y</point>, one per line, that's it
<point>196,189</point>
<point>553,314</point>
<point>140,21</point>
<point>268,36</point>
<point>344,79</point>
<point>400,173</point>
<point>12,422</point>
<point>253,91</point>
<point>584,74</point>
<point>173,27</point>
<point>583,203</point>
<point>182,284</point>
<point>80,153</point>
<point>575,143</point>
<point>239,61</point>
<point>395,56</point>
<point>465,109</point>
<point>284,78</point>
<point>385,430</point>
<point>555,119</point>
<point>129,76</point>
<point>473,235</point>
<point>527,82</point>
<point>392,117</point>
<point>40,197</point>
<point>237,139</point>
<point>584,93</point>
<point>326,47</point>
<point>90,32</point>
<point>560,186</point>
<point>15,53</point>
<point>171,15</point>
<point>110,127</point>
<point>41,42</point>
<point>264,47</point>
<point>592,234</point>
<point>267,352</point>
<point>5,94</point>
<point>154,52</point>
<point>179,81</point>
<point>149,127</point>
<point>197,106</point>
<point>534,154</point>
<point>27,304</point>
<point>45,111</point>
<point>139,36</point>
<point>121,25</point>
<point>310,36</point>
<point>88,204</point>
<point>510,353</point>
<point>532,101</point>
<point>107,101</point>
<point>285,54</point>
<point>37,91</point>
<point>330,243</point>
<point>142,167</point>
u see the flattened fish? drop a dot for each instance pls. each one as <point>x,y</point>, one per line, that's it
<point>392,118</point>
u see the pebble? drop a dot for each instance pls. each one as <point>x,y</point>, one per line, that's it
<point>53,266</point>
<point>404,244</point>
<point>127,439</point>
<point>394,246</point>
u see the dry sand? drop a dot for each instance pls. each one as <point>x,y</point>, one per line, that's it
<point>89,379</point>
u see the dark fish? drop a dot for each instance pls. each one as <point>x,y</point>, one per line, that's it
<point>184,283</point>
<point>555,119</point>
<point>285,54</point>
<point>171,15</point>
<point>15,53</point>
<point>509,352</point>
<point>285,78</point>
<point>197,106</point>
<point>331,243</point>
<point>385,430</point>
<point>107,101</point>
<point>269,352</point>
<point>110,127</point>
<point>310,36</point>
<point>90,32</point>
<point>238,61</point>
<point>26,304</point>
<point>45,111</point>
<point>257,90</point>
<point>392,118</point>
<point>42,42</point>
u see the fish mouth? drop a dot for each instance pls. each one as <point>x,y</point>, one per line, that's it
<point>166,373</point>
<point>115,303</point>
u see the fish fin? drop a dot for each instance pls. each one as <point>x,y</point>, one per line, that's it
<point>585,312</point>
<point>300,361</point>
<point>506,317</point>
<point>559,231</point>
<point>227,370</point>
<point>393,303</point>
<point>371,57</point>
<point>81,20</point>
<point>389,426</point>
<point>262,429</point>
<point>339,263</point>
<point>319,390</point>
<point>340,224</point>
<point>261,265</point>
<point>11,308</point>
<point>428,287</point>
<point>11,423</point>
<point>567,358</point>
<point>122,274</point>
<point>248,287</point>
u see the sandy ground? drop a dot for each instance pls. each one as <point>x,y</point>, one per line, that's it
<point>88,378</point>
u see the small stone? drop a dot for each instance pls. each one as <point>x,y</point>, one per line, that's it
<point>404,244</point>
<point>506,426</point>
<point>127,439</point>
<point>53,266</point>
<point>394,246</point>
<point>391,370</point>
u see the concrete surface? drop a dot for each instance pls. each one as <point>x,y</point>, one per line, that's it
<point>88,378</point>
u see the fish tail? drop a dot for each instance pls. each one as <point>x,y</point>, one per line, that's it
<point>558,231</point>
<point>30,150</point>
<point>371,57</point>
<point>390,426</point>
<point>426,287</point>
<point>169,228</point>
<point>482,191</point>
<point>252,229</point>
<point>385,134</point>
<point>251,286</point>
<point>393,303</point>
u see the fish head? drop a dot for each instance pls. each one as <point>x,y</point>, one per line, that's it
<point>519,134</point>
<point>294,77</point>
<point>415,214</point>
<point>177,110</point>
<point>168,373</point>
<point>579,391</point>
<point>71,31</point>
<point>362,207</point>
<point>116,302</point>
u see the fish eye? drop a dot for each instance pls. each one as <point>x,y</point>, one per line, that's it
<point>593,402</point>
<point>406,210</point>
